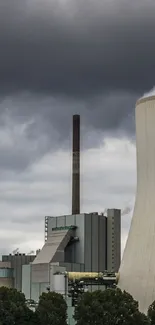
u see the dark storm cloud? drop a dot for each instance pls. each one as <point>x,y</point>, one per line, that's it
<point>77,47</point>
<point>40,123</point>
<point>59,58</point>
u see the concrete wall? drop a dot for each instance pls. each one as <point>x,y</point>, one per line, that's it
<point>40,273</point>
<point>113,239</point>
<point>33,289</point>
<point>16,263</point>
<point>80,232</point>
<point>6,275</point>
<point>26,283</point>
<point>58,283</point>
<point>102,243</point>
<point>95,243</point>
<point>37,289</point>
<point>99,245</point>
<point>6,282</point>
<point>74,253</point>
<point>73,267</point>
<point>5,264</point>
<point>91,230</point>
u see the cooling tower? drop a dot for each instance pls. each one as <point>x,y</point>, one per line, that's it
<point>137,270</point>
<point>76,166</point>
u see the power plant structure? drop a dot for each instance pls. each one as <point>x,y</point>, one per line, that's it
<point>137,270</point>
<point>80,250</point>
<point>77,243</point>
<point>87,246</point>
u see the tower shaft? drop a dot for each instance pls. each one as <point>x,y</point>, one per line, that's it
<point>76,165</point>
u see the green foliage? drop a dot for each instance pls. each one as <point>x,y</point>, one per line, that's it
<point>109,307</point>
<point>13,309</point>
<point>151,313</point>
<point>13,295</point>
<point>52,309</point>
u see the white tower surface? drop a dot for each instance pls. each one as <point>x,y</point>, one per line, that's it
<point>137,270</point>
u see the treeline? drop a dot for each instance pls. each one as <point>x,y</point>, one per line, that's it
<point>109,307</point>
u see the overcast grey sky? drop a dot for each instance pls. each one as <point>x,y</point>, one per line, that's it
<point>58,58</point>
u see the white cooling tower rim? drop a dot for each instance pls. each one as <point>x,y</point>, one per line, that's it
<point>145,99</point>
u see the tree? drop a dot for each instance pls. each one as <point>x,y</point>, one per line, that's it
<point>52,309</point>
<point>13,309</point>
<point>151,313</point>
<point>109,307</point>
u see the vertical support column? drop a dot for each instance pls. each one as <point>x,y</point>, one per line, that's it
<point>113,239</point>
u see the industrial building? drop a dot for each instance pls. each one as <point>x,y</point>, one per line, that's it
<point>80,245</point>
<point>76,243</point>
<point>94,243</point>
<point>11,269</point>
<point>80,242</point>
<point>137,270</point>
<point>6,275</point>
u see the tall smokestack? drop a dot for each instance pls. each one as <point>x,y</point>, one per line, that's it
<point>76,166</point>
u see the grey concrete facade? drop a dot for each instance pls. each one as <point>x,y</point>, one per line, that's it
<point>95,247</point>
<point>32,288</point>
<point>95,243</point>
<point>16,262</point>
<point>6,274</point>
<point>99,244</point>
<point>73,253</point>
<point>81,243</point>
<point>90,249</point>
<point>113,239</point>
